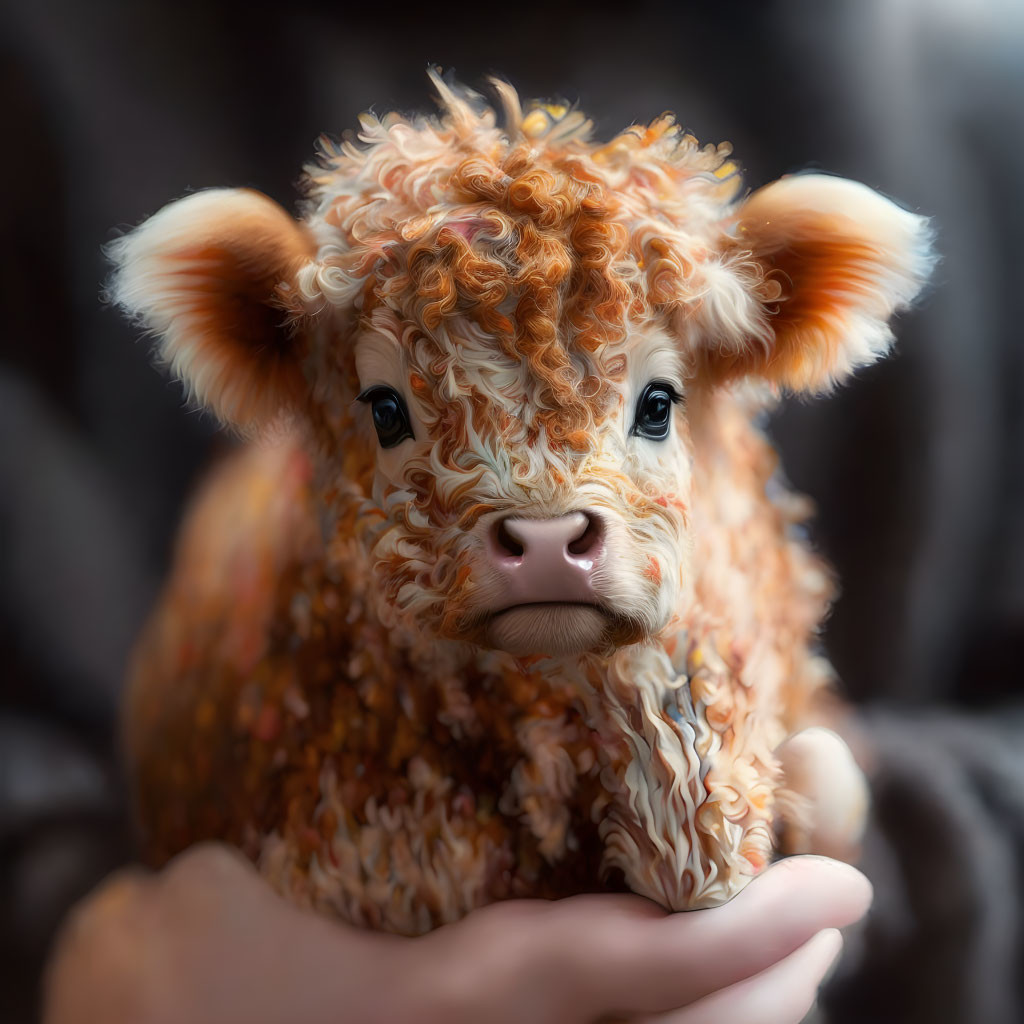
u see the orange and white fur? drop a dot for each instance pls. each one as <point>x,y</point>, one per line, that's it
<point>503,596</point>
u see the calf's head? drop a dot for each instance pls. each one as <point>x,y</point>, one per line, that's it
<point>491,330</point>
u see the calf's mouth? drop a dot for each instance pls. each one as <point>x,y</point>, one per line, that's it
<point>549,627</point>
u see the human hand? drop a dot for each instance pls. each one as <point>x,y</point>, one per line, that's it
<point>819,767</point>
<point>206,941</point>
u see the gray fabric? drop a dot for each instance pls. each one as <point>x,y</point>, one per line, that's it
<point>945,852</point>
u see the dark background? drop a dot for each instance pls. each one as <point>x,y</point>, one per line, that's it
<point>112,108</point>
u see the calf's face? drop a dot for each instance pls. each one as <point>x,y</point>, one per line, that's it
<point>493,334</point>
<point>535,513</point>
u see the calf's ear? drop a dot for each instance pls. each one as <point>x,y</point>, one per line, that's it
<point>809,274</point>
<point>213,276</point>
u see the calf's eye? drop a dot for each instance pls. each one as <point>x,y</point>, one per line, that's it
<point>654,411</point>
<point>390,416</point>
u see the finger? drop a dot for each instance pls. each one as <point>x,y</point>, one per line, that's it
<point>208,863</point>
<point>98,942</point>
<point>782,994</point>
<point>213,877</point>
<point>818,765</point>
<point>638,961</point>
<point>116,898</point>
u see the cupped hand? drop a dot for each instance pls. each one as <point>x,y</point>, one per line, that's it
<point>206,941</point>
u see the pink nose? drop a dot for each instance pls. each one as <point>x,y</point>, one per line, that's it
<point>544,560</point>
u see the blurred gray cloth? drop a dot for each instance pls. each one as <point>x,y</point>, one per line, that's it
<point>944,942</point>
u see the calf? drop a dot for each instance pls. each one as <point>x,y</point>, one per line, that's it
<point>504,597</point>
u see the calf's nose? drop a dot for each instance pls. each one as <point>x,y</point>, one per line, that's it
<point>575,538</point>
<point>548,559</point>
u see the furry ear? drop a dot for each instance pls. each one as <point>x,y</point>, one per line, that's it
<point>805,283</point>
<point>213,276</point>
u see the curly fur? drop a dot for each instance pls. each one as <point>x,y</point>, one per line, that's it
<point>318,684</point>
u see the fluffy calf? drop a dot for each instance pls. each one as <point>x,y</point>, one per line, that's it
<point>506,599</point>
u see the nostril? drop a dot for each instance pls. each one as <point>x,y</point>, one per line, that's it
<point>505,542</point>
<point>519,540</point>
<point>590,539</point>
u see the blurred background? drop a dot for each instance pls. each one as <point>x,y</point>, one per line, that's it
<point>112,108</point>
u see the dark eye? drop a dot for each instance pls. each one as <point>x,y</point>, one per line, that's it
<point>390,416</point>
<point>654,411</point>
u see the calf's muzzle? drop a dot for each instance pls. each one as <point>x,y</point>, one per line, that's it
<point>547,560</point>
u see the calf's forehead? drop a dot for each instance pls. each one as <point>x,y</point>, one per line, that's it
<point>460,374</point>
